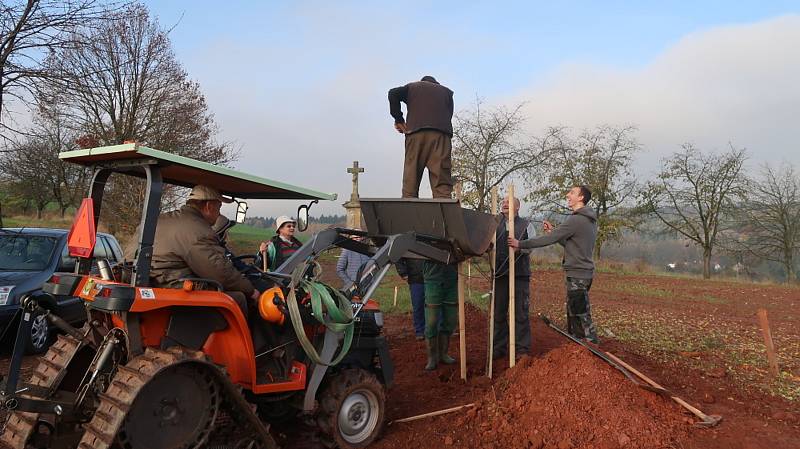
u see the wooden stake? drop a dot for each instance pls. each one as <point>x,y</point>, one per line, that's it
<point>493,256</point>
<point>431,414</point>
<point>512,328</point>
<point>394,303</point>
<point>462,332</point>
<point>469,278</point>
<point>264,258</point>
<point>773,360</point>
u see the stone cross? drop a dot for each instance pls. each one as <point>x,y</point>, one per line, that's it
<point>355,170</point>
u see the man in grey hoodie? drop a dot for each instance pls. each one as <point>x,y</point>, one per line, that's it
<point>577,235</point>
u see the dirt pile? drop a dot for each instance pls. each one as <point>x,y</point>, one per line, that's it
<point>567,399</point>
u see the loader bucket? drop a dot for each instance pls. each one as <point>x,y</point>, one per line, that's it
<point>469,233</point>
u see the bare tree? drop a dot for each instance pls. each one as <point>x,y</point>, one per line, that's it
<point>125,84</point>
<point>695,193</point>
<point>24,171</point>
<point>601,158</point>
<point>29,31</point>
<point>489,146</point>
<point>770,218</point>
<point>35,172</point>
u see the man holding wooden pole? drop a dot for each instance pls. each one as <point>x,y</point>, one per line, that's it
<point>577,235</point>
<point>522,277</point>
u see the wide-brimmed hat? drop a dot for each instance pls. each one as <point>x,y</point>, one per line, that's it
<point>205,193</point>
<point>282,220</point>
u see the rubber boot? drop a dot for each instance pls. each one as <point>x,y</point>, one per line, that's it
<point>433,353</point>
<point>444,346</point>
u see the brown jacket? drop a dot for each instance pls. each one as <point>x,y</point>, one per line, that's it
<point>186,246</point>
<point>429,105</point>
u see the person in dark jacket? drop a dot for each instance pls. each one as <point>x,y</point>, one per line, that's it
<point>281,247</point>
<point>577,235</point>
<point>411,271</point>
<point>522,280</point>
<point>428,130</point>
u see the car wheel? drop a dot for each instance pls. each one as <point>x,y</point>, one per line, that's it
<point>39,337</point>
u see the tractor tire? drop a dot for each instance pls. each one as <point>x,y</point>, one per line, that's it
<point>158,400</point>
<point>174,399</point>
<point>352,409</point>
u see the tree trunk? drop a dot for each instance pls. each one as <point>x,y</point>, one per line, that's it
<point>706,263</point>
<point>39,210</point>
<point>598,245</point>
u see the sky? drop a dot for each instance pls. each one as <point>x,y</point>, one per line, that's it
<point>301,87</point>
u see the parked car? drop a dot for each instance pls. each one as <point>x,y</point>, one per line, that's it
<point>28,257</point>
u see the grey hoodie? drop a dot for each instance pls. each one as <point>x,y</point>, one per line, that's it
<point>577,236</point>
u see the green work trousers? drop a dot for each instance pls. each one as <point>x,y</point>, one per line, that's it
<point>440,297</point>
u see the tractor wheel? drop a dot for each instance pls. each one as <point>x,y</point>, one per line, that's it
<point>352,409</point>
<point>174,409</point>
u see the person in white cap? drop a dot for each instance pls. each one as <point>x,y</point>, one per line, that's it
<point>280,247</point>
<point>186,246</point>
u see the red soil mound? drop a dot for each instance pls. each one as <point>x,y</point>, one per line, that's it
<point>564,399</point>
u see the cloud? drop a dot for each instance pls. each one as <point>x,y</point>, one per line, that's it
<point>736,84</point>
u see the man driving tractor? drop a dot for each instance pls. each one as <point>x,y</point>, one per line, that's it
<point>186,246</point>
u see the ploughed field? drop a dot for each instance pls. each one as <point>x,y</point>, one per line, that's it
<point>700,339</point>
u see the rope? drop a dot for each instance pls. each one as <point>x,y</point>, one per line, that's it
<point>335,315</point>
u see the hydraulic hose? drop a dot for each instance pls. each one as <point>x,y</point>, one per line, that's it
<point>335,314</point>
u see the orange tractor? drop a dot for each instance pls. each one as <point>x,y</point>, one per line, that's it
<point>183,368</point>
<point>157,368</point>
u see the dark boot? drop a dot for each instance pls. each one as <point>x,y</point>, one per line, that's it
<point>433,353</point>
<point>444,345</point>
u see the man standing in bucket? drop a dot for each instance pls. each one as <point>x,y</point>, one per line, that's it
<point>577,235</point>
<point>428,132</point>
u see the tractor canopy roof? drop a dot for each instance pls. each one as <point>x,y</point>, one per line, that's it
<point>187,172</point>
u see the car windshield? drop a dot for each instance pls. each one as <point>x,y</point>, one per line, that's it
<point>22,252</point>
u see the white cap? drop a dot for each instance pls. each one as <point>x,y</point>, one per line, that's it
<point>205,193</point>
<point>282,220</point>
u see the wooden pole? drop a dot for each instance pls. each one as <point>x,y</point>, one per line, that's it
<point>709,420</point>
<point>394,303</point>
<point>512,328</point>
<point>492,256</point>
<point>469,278</point>
<point>431,414</point>
<point>462,332</point>
<point>264,258</point>
<point>771,357</point>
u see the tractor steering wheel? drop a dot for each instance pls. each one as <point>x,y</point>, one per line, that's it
<point>246,267</point>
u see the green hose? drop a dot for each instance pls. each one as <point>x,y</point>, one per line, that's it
<point>335,315</point>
